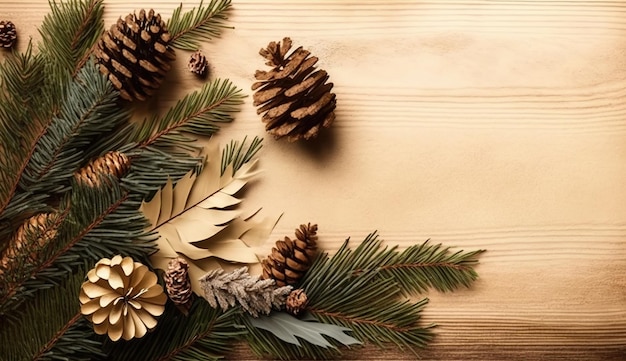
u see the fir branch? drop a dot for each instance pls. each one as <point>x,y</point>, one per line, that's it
<point>419,267</point>
<point>198,113</point>
<point>68,34</point>
<point>189,28</point>
<point>205,334</point>
<point>24,106</point>
<point>98,222</point>
<point>88,110</point>
<point>50,327</point>
<point>366,302</point>
<point>234,154</point>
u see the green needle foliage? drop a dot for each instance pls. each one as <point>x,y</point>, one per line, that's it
<point>237,155</point>
<point>205,23</point>
<point>199,113</point>
<point>205,334</point>
<point>89,109</point>
<point>419,267</point>
<point>31,339</point>
<point>68,33</point>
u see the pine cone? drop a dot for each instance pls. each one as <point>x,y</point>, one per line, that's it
<point>8,34</point>
<point>296,302</point>
<point>135,54</point>
<point>294,96</point>
<point>197,63</point>
<point>178,283</point>
<point>290,259</point>
<point>122,298</point>
<point>112,163</point>
<point>30,238</point>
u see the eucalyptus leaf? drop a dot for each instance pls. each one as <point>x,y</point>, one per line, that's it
<point>290,329</point>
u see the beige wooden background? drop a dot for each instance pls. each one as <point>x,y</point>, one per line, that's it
<point>480,124</point>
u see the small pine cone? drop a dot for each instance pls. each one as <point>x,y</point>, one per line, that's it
<point>197,63</point>
<point>33,235</point>
<point>290,259</point>
<point>294,95</point>
<point>296,302</point>
<point>135,54</point>
<point>178,283</point>
<point>112,163</point>
<point>8,34</point>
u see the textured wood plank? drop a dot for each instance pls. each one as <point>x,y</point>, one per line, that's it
<point>480,124</point>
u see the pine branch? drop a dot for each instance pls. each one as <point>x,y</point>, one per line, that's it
<point>98,222</point>
<point>50,327</point>
<point>198,113</point>
<point>366,302</point>
<point>419,267</point>
<point>25,106</point>
<point>206,334</point>
<point>68,33</point>
<point>189,28</point>
<point>234,154</point>
<point>88,111</point>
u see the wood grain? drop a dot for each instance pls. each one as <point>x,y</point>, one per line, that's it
<point>498,125</point>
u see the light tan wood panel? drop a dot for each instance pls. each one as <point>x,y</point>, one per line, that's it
<point>480,124</point>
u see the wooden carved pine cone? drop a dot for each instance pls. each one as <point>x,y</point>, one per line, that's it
<point>135,54</point>
<point>294,96</point>
<point>290,259</point>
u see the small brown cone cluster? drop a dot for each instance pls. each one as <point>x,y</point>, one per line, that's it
<point>8,34</point>
<point>113,163</point>
<point>290,259</point>
<point>178,283</point>
<point>294,96</point>
<point>198,63</point>
<point>122,298</point>
<point>33,235</point>
<point>296,302</point>
<point>135,54</point>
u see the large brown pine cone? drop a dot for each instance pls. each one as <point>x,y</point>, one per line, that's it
<point>112,163</point>
<point>290,259</point>
<point>135,54</point>
<point>294,95</point>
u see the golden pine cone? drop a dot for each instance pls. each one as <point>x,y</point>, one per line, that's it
<point>294,96</point>
<point>290,259</point>
<point>178,283</point>
<point>33,235</point>
<point>135,54</point>
<point>112,163</point>
<point>122,298</point>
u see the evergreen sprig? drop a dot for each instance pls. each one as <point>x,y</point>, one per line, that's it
<point>236,154</point>
<point>96,223</point>
<point>205,23</point>
<point>63,335</point>
<point>68,33</point>
<point>199,113</point>
<point>419,267</point>
<point>89,109</point>
<point>205,334</point>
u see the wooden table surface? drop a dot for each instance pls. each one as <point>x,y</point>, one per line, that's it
<point>495,124</point>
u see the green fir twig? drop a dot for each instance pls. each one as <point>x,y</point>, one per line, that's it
<point>205,23</point>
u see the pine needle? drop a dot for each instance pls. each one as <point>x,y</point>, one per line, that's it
<point>205,23</point>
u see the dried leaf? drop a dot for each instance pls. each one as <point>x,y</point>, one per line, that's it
<point>196,219</point>
<point>291,329</point>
